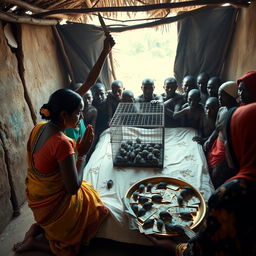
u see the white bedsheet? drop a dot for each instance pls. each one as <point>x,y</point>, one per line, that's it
<point>184,159</point>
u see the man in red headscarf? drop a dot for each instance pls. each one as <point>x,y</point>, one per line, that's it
<point>247,88</point>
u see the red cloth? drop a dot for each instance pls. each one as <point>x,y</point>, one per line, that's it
<point>217,153</point>
<point>55,149</point>
<point>250,80</point>
<point>243,138</point>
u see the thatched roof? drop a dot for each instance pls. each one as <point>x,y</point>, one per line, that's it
<point>47,12</point>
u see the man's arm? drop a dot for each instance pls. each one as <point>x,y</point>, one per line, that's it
<point>167,109</point>
<point>201,124</point>
<point>94,117</point>
<point>208,143</point>
<point>109,109</point>
<point>94,73</point>
<point>178,104</point>
<point>90,117</point>
<point>181,113</point>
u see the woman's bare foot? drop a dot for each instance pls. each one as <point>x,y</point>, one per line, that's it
<point>33,231</point>
<point>26,245</point>
<point>33,244</point>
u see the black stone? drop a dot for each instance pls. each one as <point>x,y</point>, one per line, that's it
<point>110,184</point>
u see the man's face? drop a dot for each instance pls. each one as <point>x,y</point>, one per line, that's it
<point>212,89</point>
<point>117,91</point>
<point>193,100</point>
<point>88,99</point>
<point>100,94</point>
<point>210,109</point>
<point>244,93</point>
<point>170,88</point>
<point>187,85</point>
<point>202,83</point>
<point>148,90</point>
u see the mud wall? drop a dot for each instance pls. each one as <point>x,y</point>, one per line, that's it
<point>242,54</point>
<point>28,75</point>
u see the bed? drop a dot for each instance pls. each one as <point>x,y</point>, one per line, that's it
<point>184,159</point>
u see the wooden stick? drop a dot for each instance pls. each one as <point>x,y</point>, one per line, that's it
<point>158,22</point>
<point>28,20</point>
<point>34,8</point>
<point>21,68</point>
<point>64,53</point>
<point>130,20</point>
<point>25,5</point>
<point>150,7</point>
<point>112,65</point>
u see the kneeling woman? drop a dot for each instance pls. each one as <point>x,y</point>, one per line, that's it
<point>66,208</point>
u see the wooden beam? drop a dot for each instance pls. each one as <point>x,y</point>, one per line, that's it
<point>158,22</point>
<point>34,9</point>
<point>27,19</point>
<point>25,5</point>
<point>64,53</point>
<point>112,65</point>
<point>144,8</point>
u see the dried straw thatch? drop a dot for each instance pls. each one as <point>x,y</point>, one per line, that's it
<point>45,12</point>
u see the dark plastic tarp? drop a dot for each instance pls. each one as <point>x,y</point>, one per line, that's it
<point>83,44</point>
<point>203,42</point>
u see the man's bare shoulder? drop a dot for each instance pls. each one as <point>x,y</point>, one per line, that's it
<point>90,109</point>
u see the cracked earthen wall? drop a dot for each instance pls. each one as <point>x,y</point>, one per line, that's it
<point>28,75</point>
<point>242,53</point>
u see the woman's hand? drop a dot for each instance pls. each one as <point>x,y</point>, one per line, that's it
<point>84,144</point>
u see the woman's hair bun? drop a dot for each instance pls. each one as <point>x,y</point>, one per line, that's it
<point>45,112</point>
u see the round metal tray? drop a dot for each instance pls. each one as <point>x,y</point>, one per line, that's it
<point>201,209</point>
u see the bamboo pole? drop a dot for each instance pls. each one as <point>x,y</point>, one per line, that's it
<point>21,68</point>
<point>25,5</point>
<point>27,19</point>
<point>33,8</point>
<point>240,3</point>
<point>64,53</point>
<point>112,65</point>
<point>158,22</point>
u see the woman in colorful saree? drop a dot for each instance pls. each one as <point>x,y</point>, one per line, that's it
<point>67,210</point>
<point>229,227</point>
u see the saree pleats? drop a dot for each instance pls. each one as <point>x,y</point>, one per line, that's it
<point>68,220</point>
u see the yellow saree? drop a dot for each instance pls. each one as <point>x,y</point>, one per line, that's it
<point>68,220</point>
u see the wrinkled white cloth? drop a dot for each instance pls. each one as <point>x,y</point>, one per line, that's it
<point>184,159</point>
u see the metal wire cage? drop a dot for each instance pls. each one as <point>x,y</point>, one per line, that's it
<point>137,135</point>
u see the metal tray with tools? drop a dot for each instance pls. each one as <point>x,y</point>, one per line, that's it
<point>166,206</point>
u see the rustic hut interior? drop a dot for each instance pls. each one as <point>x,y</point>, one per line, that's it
<point>45,45</point>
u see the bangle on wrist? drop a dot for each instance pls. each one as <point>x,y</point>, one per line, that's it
<point>81,158</point>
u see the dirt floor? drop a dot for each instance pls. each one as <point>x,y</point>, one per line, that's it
<point>15,231</point>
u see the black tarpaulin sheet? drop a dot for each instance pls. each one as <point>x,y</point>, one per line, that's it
<point>83,44</point>
<point>203,41</point>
